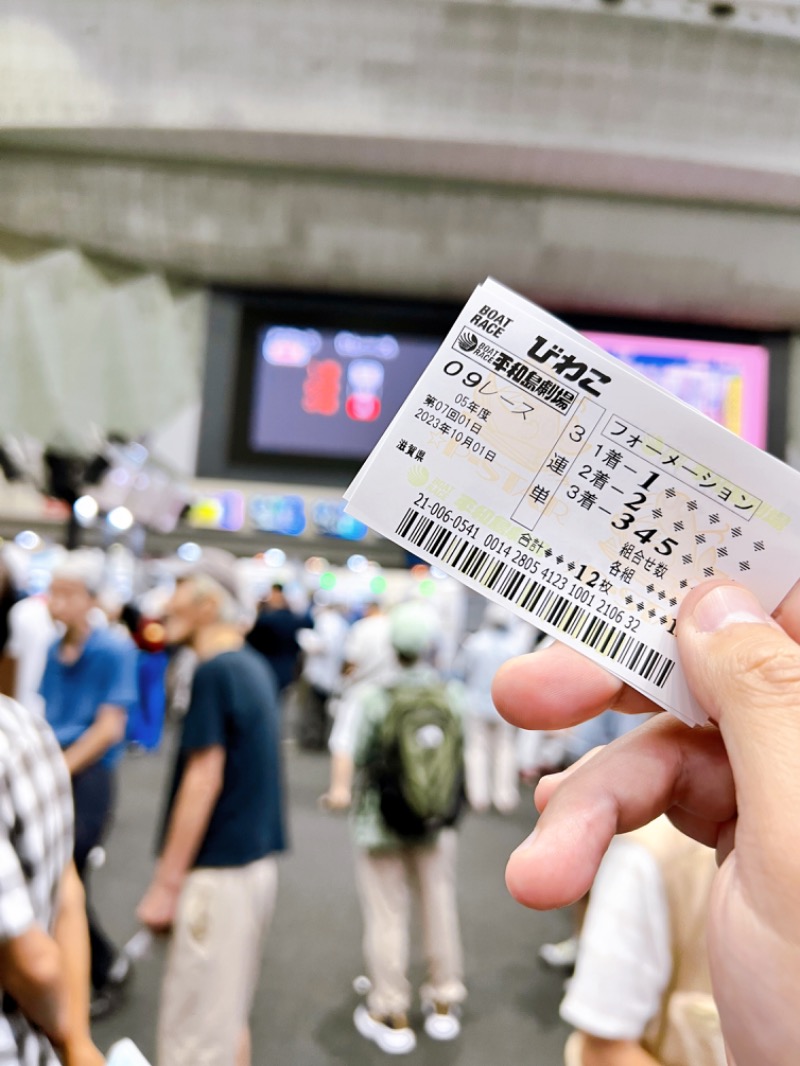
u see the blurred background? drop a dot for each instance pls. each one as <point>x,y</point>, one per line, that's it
<point>231,238</point>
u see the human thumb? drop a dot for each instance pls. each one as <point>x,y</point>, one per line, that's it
<point>745,671</point>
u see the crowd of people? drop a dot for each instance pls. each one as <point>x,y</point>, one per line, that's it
<point>414,740</point>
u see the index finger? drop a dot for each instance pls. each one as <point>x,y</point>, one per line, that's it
<point>558,687</point>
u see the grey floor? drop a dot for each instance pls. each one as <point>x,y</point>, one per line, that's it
<point>304,1004</point>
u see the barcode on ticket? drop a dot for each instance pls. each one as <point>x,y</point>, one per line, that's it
<point>545,604</point>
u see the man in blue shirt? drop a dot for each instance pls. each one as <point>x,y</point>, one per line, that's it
<point>215,881</point>
<point>89,685</point>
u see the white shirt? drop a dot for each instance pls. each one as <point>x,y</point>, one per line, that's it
<point>624,961</point>
<point>481,656</point>
<point>369,648</point>
<point>347,720</point>
<point>324,649</point>
<point>31,632</point>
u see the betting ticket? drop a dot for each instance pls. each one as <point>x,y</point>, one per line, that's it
<point>126,1053</point>
<point>551,478</point>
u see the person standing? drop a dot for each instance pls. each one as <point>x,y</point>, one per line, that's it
<point>491,751</point>
<point>323,648</point>
<point>368,659</point>
<point>275,635</point>
<point>579,741</point>
<point>44,944</point>
<point>9,597</point>
<point>89,685</point>
<point>215,882</point>
<point>641,994</point>
<point>31,633</point>
<point>390,861</point>
<point>368,651</point>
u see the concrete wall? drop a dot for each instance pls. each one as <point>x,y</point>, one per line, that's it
<point>643,160</point>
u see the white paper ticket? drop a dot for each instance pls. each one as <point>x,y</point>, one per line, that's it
<point>551,478</point>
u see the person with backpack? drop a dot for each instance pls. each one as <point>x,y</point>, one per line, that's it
<point>409,762</point>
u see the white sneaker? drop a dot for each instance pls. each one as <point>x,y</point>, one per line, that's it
<point>394,1039</point>
<point>561,956</point>
<point>362,985</point>
<point>96,858</point>
<point>442,1022</point>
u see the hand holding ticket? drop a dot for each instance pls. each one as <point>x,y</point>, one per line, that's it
<point>552,479</point>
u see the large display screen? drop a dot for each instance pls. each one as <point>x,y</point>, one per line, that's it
<point>727,382</point>
<point>330,392</point>
<point>319,392</point>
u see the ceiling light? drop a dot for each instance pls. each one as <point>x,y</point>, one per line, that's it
<point>28,540</point>
<point>85,509</point>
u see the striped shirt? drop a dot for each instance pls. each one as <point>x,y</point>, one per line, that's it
<point>36,838</point>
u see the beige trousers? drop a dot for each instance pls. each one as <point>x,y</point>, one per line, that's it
<point>386,881</point>
<point>214,962</point>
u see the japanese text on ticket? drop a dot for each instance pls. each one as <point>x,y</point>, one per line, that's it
<point>552,479</point>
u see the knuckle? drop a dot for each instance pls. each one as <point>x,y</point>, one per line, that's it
<point>765,671</point>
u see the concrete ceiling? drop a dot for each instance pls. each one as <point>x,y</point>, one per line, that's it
<point>642,156</point>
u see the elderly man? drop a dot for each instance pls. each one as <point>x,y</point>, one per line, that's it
<point>215,882</point>
<point>89,686</point>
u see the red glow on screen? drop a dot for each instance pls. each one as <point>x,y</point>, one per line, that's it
<point>321,387</point>
<point>362,407</point>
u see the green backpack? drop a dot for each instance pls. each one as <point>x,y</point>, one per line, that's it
<point>419,765</point>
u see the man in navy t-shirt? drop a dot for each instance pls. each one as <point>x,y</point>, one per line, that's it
<point>89,686</point>
<point>215,882</point>
<point>274,635</point>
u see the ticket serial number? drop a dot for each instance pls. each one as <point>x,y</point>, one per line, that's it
<point>442,513</point>
<point>578,588</point>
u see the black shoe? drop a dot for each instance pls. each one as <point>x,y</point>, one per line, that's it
<point>109,998</point>
<point>104,1002</point>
